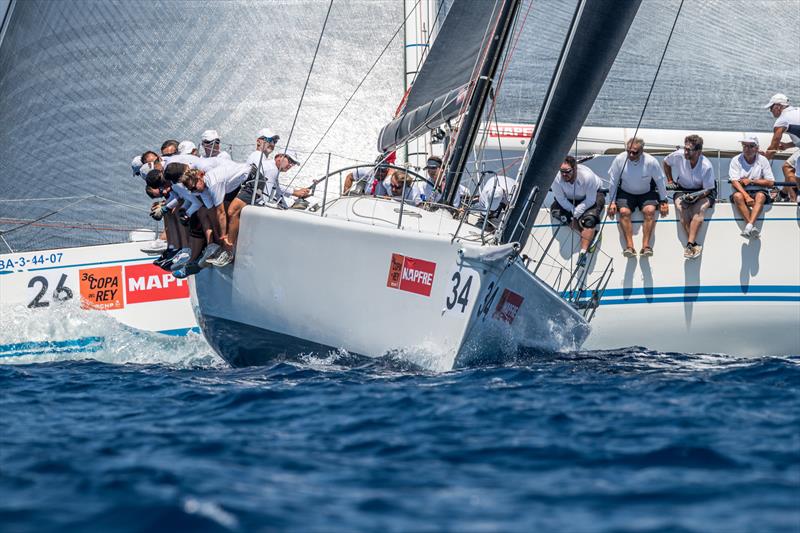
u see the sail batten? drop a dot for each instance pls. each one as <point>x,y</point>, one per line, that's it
<point>438,91</point>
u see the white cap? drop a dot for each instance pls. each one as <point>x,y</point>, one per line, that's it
<point>749,138</point>
<point>209,135</point>
<point>292,155</point>
<point>266,133</point>
<point>136,165</point>
<point>186,147</point>
<point>145,169</point>
<point>778,98</point>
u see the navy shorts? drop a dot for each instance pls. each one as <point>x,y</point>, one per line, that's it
<point>753,192</point>
<point>635,201</point>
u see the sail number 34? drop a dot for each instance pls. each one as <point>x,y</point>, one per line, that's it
<point>459,295</point>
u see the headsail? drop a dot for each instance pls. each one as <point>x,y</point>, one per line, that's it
<point>596,34</point>
<point>437,94</point>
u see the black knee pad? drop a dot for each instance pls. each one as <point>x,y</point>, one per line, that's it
<point>589,221</point>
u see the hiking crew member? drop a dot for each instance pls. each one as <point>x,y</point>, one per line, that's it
<point>268,186</point>
<point>748,169</point>
<point>787,120</point>
<point>210,143</point>
<point>578,201</point>
<point>637,182</point>
<point>694,174</point>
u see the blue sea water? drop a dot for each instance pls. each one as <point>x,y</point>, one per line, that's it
<point>627,441</point>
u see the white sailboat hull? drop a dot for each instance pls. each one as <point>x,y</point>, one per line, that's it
<point>741,297</point>
<point>303,283</point>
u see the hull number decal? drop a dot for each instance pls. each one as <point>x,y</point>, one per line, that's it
<point>61,293</point>
<point>508,306</point>
<point>459,297</point>
<point>411,275</point>
<point>486,306</point>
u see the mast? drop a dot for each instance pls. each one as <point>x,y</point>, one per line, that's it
<point>471,120</point>
<point>596,34</point>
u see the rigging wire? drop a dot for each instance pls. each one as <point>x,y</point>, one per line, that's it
<point>352,95</point>
<point>308,77</point>
<point>641,115</point>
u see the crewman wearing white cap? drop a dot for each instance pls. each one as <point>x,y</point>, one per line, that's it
<point>265,144</point>
<point>750,174</point>
<point>187,148</point>
<point>787,120</point>
<point>211,145</point>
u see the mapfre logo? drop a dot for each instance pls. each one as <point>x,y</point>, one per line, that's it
<point>148,283</point>
<point>411,275</point>
<point>508,306</point>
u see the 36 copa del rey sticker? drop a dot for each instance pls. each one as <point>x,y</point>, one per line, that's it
<point>411,274</point>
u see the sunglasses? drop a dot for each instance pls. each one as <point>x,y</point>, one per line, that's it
<point>749,145</point>
<point>687,149</point>
<point>634,152</point>
<point>215,141</point>
<point>273,140</point>
<point>566,171</point>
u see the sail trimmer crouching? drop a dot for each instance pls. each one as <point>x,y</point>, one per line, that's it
<point>375,276</point>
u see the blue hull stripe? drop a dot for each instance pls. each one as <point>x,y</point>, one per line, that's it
<point>697,289</point>
<point>691,298</point>
<point>83,344</point>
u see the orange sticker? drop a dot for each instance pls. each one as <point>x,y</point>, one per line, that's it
<point>101,288</point>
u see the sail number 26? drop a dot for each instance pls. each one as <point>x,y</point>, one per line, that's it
<point>460,295</point>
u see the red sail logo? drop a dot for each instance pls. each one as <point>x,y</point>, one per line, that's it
<point>411,275</point>
<point>508,306</point>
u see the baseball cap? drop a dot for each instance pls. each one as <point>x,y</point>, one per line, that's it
<point>267,134</point>
<point>136,165</point>
<point>778,98</point>
<point>145,169</point>
<point>749,138</point>
<point>186,147</point>
<point>292,155</point>
<point>433,162</point>
<point>209,135</point>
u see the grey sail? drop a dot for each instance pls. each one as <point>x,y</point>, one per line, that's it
<point>596,34</point>
<point>436,95</point>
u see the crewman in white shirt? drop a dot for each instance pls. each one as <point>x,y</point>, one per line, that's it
<point>578,201</point>
<point>210,143</point>
<point>746,170</point>
<point>268,186</point>
<point>637,182</point>
<point>423,191</point>
<point>694,174</point>
<point>265,144</point>
<point>787,120</point>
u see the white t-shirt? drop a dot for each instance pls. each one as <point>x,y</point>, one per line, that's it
<point>497,190</point>
<point>257,157</point>
<point>792,161</point>
<point>191,201</point>
<point>200,163</point>
<point>700,177</point>
<point>221,155</point>
<point>222,180</point>
<point>636,175</point>
<point>422,191</point>
<point>789,117</point>
<point>759,170</point>
<point>583,189</point>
